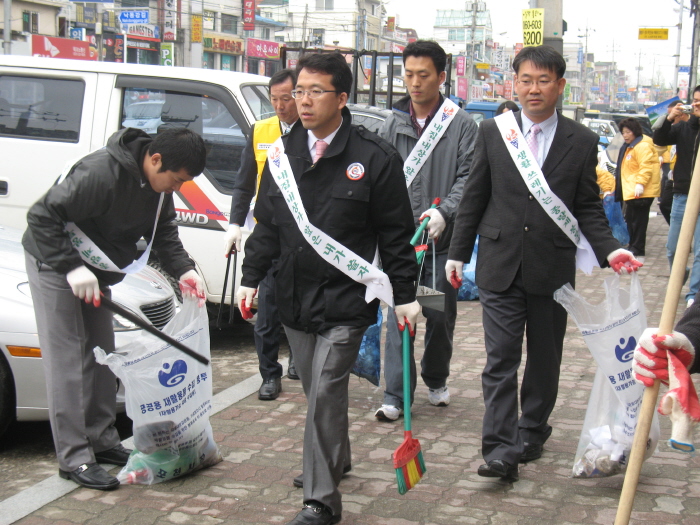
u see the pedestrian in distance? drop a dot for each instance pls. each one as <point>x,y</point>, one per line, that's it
<point>531,169</point>
<point>262,136</point>
<point>436,142</point>
<point>637,182</point>
<point>331,195</point>
<point>683,132</point>
<point>81,238</point>
<point>508,105</point>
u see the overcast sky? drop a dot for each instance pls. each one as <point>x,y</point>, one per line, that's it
<point>612,27</point>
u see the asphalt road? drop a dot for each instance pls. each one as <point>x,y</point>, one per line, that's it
<point>26,451</point>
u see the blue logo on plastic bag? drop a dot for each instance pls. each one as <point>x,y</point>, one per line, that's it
<point>175,376</point>
<point>624,352</point>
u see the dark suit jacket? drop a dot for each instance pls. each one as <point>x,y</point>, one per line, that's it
<point>514,229</point>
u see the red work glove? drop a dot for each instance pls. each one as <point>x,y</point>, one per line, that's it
<point>191,285</point>
<point>245,300</point>
<point>623,259</point>
<point>453,272</point>
<point>407,314</point>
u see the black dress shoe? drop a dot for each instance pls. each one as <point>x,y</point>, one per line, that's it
<point>531,452</point>
<point>313,514</point>
<point>91,476</point>
<point>497,468</point>
<point>270,389</point>
<point>292,369</point>
<point>299,480</point>
<point>114,456</point>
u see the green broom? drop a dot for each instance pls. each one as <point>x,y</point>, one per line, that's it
<point>408,458</point>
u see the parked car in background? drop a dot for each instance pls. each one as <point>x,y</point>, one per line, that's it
<point>143,115</point>
<point>605,129</point>
<point>370,117</point>
<point>22,383</point>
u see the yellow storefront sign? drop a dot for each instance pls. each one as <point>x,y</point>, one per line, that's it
<point>653,33</point>
<point>197,28</point>
<point>533,27</point>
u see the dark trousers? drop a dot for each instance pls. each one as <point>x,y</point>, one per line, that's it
<point>324,360</point>
<point>507,316</point>
<point>439,331</point>
<point>637,218</point>
<point>666,199</point>
<point>267,330</point>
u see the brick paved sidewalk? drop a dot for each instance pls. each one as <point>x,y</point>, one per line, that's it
<point>261,443</point>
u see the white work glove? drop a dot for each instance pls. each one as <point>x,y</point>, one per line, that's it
<point>84,285</point>
<point>191,285</point>
<point>245,300</point>
<point>436,225</point>
<point>638,190</point>
<point>407,314</point>
<point>232,238</point>
<point>622,258</point>
<point>453,273</point>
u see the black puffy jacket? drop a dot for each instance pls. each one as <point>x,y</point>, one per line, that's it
<point>311,294</point>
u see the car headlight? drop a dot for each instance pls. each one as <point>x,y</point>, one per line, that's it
<point>121,324</point>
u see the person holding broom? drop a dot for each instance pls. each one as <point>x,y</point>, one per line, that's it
<point>331,194</point>
<point>532,198</point>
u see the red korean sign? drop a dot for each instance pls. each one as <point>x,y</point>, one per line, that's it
<point>249,15</point>
<point>462,87</point>
<point>54,47</point>
<point>263,49</point>
<point>461,66</point>
<point>508,89</point>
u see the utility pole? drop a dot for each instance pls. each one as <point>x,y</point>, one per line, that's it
<point>303,28</point>
<point>639,68</point>
<point>695,10</point>
<point>584,71</point>
<point>678,45</point>
<point>470,47</point>
<point>553,22</point>
<point>7,28</point>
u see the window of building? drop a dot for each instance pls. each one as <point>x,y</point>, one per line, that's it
<point>324,5</point>
<point>317,37</point>
<point>30,22</point>
<point>456,34</point>
<point>265,33</point>
<point>41,108</point>
<point>229,24</point>
<point>209,20</point>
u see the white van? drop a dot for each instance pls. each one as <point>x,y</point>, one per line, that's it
<point>53,111</point>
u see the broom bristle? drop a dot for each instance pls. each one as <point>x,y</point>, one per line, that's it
<point>411,473</point>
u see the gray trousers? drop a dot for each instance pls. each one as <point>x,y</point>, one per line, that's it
<point>81,394</point>
<point>324,361</point>
<point>507,316</point>
<point>439,332</point>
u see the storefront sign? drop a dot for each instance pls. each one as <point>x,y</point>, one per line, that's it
<point>653,33</point>
<point>508,89</point>
<point>114,48</point>
<point>54,47</point>
<point>223,44</point>
<point>533,27</point>
<point>263,49</point>
<point>110,22</point>
<point>249,15</point>
<point>146,45</point>
<point>145,31</point>
<point>167,54</point>
<point>139,16</point>
<point>169,18</point>
<point>197,28</point>
<point>461,67</point>
<point>78,33</point>
<point>462,86</point>
<point>85,16</point>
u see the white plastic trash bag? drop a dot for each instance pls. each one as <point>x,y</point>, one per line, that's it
<point>168,397</point>
<point>611,331</point>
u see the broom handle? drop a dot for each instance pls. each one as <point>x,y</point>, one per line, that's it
<point>406,377</point>
<point>666,323</point>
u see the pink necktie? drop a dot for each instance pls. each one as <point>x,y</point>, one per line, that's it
<point>533,142</point>
<point>320,150</point>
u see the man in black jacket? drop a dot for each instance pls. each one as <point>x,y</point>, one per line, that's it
<point>351,199</point>
<point>684,134</point>
<point>81,238</point>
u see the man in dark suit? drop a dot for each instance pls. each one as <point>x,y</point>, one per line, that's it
<point>525,255</point>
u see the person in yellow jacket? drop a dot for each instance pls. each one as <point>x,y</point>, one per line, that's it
<point>262,136</point>
<point>638,181</point>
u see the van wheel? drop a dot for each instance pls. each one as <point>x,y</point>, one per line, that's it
<point>174,283</point>
<point>8,405</point>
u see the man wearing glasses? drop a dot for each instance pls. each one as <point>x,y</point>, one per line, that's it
<point>263,134</point>
<point>533,200</point>
<point>331,194</point>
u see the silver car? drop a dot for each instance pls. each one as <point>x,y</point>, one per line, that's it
<point>22,382</point>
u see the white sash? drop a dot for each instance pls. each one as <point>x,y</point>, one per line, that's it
<point>533,177</point>
<point>91,253</point>
<point>430,137</point>
<point>331,251</point>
